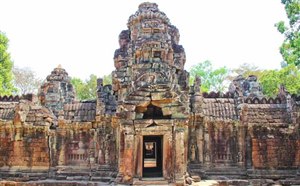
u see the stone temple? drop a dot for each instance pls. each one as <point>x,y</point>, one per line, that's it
<point>149,122</point>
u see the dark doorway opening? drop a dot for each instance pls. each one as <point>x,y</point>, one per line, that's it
<point>152,156</point>
<point>157,54</point>
<point>154,112</point>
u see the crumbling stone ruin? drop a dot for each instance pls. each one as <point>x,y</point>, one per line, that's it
<point>149,122</point>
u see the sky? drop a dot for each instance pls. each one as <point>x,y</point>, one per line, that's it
<point>82,35</point>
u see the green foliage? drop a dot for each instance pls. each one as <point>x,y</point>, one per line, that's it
<point>292,8</point>
<point>288,76</point>
<point>107,79</point>
<point>211,79</point>
<point>245,70</point>
<point>281,27</point>
<point>269,82</point>
<point>25,80</point>
<point>85,90</point>
<point>6,64</point>
<point>290,49</point>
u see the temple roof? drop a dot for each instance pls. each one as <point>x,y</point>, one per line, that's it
<point>148,11</point>
<point>219,109</point>
<point>80,112</point>
<point>7,110</point>
<point>58,74</point>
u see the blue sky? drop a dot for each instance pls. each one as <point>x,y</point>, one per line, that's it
<point>82,35</point>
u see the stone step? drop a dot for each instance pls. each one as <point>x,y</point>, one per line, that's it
<point>272,174</point>
<point>151,181</point>
<point>229,172</point>
<point>102,179</point>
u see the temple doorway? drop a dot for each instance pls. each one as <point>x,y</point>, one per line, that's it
<point>152,156</point>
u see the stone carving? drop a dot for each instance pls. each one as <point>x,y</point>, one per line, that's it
<point>57,90</point>
<point>239,134</point>
<point>249,87</point>
<point>252,87</point>
<point>121,53</point>
<point>197,84</point>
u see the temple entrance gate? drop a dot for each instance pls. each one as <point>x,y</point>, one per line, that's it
<point>152,156</point>
<point>152,92</point>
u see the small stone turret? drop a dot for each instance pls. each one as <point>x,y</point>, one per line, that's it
<point>249,87</point>
<point>57,90</point>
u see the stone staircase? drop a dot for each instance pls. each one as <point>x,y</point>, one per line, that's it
<point>218,173</point>
<point>102,174</point>
<point>150,181</point>
<point>272,174</point>
<point>226,173</point>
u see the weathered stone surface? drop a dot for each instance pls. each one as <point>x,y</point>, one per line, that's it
<point>249,87</point>
<point>57,90</point>
<point>152,92</point>
<point>239,134</point>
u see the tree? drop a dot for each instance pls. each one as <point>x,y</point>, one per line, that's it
<point>6,64</point>
<point>78,86</point>
<point>288,76</point>
<point>212,79</point>
<point>107,79</point>
<point>269,82</point>
<point>25,80</point>
<point>290,49</point>
<point>91,86</point>
<point>85,90</point>
<point>245,70</point>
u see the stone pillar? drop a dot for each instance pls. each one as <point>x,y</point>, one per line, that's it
<point>62,152</point>
<point>138,158</point>
<point>52,141</point>
<point>241,136</point>
<point>62,146</point>
<point>200,142</point>
<point>248,153</point>
<point>245,147</point>
<point>192,145</point>
<point>207,146</point>
<point>18,133</point>
<point>167,156</point>
<point>181,153</point>
<point>126,159</point>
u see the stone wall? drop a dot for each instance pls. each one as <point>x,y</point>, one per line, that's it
<point>275,148</point>
<point>238,134</point>
<point>274,114</point>
<point>243,134</point>
<point>24,137</point>
<point>30,151</point>
<point>275,139</point>
<point>60,138</point>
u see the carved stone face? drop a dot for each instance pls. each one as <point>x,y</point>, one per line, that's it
<point>122,43</point>
<point>124,38</point>
<point>252,78</point>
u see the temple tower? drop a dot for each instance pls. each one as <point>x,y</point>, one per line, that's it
<point>151,87</point>
<point>57,90</point>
